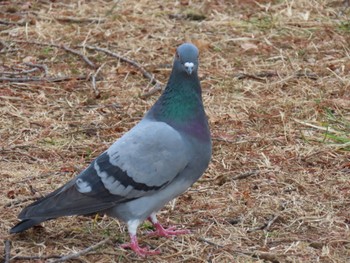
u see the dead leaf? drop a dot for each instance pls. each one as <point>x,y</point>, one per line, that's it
<point>201,44</point>
<point>246,46</point>
<point>29,59</point>
<point>11,194</point>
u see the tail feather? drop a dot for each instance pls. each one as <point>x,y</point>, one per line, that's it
<point>65,201</point>
<point>25,224</point>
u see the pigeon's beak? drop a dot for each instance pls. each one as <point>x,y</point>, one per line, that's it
<point>189,67</point>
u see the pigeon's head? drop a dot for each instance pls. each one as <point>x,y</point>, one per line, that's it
<point>186,58</point>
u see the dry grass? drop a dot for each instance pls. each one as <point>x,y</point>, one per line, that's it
<point>275,77</point>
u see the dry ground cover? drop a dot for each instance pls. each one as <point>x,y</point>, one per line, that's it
<point>276,86</point>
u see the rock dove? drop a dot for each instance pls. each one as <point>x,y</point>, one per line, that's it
<point>154,162</point>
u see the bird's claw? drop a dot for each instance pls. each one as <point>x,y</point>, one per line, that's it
<point>167,232</point>
<point>140,251</point>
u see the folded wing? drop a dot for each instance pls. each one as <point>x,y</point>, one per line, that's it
<point>143,161</point>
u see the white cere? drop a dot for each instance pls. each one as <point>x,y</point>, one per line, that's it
<point>189,64</point>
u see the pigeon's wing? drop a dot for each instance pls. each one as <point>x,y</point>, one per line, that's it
<point>144,160</point>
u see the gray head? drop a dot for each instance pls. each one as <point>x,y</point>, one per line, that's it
<point>186,59</point>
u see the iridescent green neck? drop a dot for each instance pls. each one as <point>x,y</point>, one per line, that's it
<point>181,107</point>
<point>180,102</point>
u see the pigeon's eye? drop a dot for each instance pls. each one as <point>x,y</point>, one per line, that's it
<point>177,55</point>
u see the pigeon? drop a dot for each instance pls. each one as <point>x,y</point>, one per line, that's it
<point>154,162</point>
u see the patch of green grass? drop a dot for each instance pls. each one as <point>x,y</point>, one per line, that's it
<point>263,23</point>
<point>89,152</point>
<point>339,130</point>
<point>272,234</point>
<point>49,141</point>
<point>329,113</point>
<point>301,53</point>
<point>45,52</point>
<point>147,226</point>
<point>106,232</point>
<point>120,239</point>
<point>195,16</point>
<point>337,139</point>
<point>317,100</point>
<point>57,142</point>
<point>100,58</point>
<point>217,48</point>
<point>341,141</point>
<point>74,71</point>
<point>344,27</point>
<point>12,9</point>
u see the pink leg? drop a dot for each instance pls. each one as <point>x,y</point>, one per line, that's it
<point>134,245</point>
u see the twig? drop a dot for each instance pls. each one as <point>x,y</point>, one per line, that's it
<point>36,43</point>
<point>326,129</point>
<point>144,72</point>
<point>37,177</point>
<point>271,221</point>
<point>256,228</point>
<point>71,18</point>
<point>7,251</point>
<point>35,68</point>
<point>246,175</point>
<point>261,76</point>
<point>39,66</point>
<point>309,75</point>
<point>9,51</point>
<point>64,47</point>
<point>265,226</point>
<point>3,44</point>
<point>80,20</point>
<point>20,72</point>
<point>222,139</point>
<point>20,23</point>
<point>40,79</point>
<point>124,59</point>
<point>34,257</point>
<point>262,255</point>
<point>78,53</point>
<point>201,239</point>
<point>267,256</point>
<point>340,146</point>
<point>17,202</point>
<point>112,105</point>
<point>93,80</point>
<point>82,252</point>
<point>156,88</point>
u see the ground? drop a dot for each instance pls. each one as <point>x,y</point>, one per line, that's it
<point>275,79</point>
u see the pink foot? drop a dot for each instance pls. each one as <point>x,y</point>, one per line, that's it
<point>142,252</point>
<point>168,232</point>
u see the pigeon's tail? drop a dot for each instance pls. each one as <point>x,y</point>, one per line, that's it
<point>25,224</point>
<point>65,201</point>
